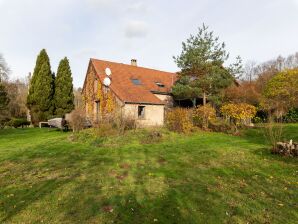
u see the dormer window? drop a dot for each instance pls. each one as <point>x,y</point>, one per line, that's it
<point>159,84</point>
<point>136,81</point>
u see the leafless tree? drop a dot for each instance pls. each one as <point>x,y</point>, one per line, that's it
<point>4,69</point>
<point>78,98</point>
<point>250,71</point>
<point>17,92</point>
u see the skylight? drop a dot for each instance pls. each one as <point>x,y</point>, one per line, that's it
<point>159,84</point>
<point>136,81</point>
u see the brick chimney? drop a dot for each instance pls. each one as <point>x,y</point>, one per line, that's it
<point>134,62</point>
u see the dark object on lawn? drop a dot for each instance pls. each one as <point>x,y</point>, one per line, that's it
<point>108,208</point>
<point>286,148</point>
<point>64,124</point>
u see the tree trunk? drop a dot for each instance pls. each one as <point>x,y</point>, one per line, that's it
<point>194,102</point>
<point>204,98</point>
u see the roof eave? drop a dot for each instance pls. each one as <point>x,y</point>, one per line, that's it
<point>161,93</point>
<point>144,103</point>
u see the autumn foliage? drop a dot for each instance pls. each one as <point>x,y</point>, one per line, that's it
<point>238,112</point>
<point>246,92</point>
<point>179,120</point>
<point>203,114</point>
<point>281,92</point>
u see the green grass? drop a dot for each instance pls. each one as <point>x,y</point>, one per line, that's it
<point>201,178</point>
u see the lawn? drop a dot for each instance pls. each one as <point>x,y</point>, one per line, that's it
<point>199,178</point>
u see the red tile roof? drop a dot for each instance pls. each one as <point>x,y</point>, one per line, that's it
<point>126,90</point>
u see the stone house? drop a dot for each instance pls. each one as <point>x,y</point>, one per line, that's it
<point>137,92</point>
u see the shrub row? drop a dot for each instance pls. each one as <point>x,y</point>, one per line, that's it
<point>204,117</point>
<point>291,116</point>
<point>18,122</point>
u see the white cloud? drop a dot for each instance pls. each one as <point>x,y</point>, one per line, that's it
<point>85,53</point>
<point>136,29</point>
<point>101,4</point>
<point>151,31</point>
<point>295,2</point>
<point>138,7</point>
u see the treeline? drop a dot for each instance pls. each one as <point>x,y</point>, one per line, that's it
<point>271,86</point>
<point>12,95</point>
<point>42,96</point>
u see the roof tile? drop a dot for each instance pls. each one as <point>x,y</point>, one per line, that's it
<point>123,87</point>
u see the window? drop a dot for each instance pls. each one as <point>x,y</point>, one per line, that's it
<point>136,81</point>
<point>141,112</point>
<point>105,89</point>
<point>159,84</point>
<point>97,106</point>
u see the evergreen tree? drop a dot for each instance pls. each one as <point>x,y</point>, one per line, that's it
<point>203,73</point>
<point>64,97</point>
<point>4,100</point>
<point>41,90</point>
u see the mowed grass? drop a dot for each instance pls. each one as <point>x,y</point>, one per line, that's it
<point>200,178</point>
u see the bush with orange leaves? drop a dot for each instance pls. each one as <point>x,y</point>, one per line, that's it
<point>238,112</point>
<point>203,114</point>
<point>179,120</point>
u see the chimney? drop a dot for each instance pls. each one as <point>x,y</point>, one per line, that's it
<point>134,62</point>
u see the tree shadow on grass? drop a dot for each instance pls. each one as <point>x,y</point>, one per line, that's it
<point>171,206</point>
<point>39,171</point>
<point>14,200</point>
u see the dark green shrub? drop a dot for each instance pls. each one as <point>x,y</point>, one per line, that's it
<point>3,121</point>
<point>263,115</point>
<point>291,116</point>
<point>257,120</point>
<point>18,122</point>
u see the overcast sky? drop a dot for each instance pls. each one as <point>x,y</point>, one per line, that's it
<point>148,30</point>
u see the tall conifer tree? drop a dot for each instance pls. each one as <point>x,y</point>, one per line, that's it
<point>4,100</point>
<point>64,97</point>
<point>41,91</point>
<point>203,73</point>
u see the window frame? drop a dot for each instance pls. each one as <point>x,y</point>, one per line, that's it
<point>97,110</point>
<point>141,112</point>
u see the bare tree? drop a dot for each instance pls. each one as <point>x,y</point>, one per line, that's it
<point>78,100</point>
<point>250,71</point>
<point>17,92</point>
<point>4,69</point>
